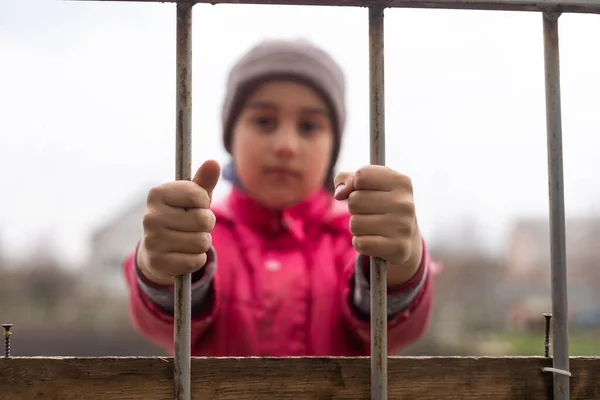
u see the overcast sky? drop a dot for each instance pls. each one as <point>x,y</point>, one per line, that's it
<point>87,108</point>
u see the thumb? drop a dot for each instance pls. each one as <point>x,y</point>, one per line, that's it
<point>207,176</point>
<point>343,184</point>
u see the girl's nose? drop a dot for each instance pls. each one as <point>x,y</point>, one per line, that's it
<point>286,142</point>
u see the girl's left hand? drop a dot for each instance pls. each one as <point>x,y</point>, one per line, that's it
<point>383,220</point>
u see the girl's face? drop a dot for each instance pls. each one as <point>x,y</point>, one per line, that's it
<point>282,143</point>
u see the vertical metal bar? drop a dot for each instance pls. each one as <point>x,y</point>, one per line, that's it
<point>182,328</point>
<point>378,266</point>
<point>560,345</point>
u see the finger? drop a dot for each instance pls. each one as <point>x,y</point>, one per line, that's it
<point>343,183</point>
<point>379,177</point>
<point>379,202</point>
<point>178,219</point>
<point>168,241</point>
<point>178,263</point>
<point>381,225</point>
<point>181,194</point>
<point>207,176</point>
<point>377,246</point>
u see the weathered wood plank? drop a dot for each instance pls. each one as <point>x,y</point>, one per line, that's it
<point>565,6</point>
<point>411,378</point>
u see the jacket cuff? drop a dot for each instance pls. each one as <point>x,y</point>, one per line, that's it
<point>163,296</point>
<point>398,299</point>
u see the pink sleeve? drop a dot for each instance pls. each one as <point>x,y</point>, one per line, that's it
<point>155,321</point>
<point>409,306</point>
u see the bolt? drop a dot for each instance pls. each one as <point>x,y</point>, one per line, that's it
<point>548,316</point>
<point>7,334</point>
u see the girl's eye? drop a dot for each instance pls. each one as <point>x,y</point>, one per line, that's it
<point>265,123</point>
<point>308,127</point>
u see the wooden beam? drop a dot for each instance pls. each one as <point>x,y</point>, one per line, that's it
<point>565,6</point>
<point>410,378</point>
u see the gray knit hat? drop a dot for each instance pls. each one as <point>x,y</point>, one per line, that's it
<point>286,59</point>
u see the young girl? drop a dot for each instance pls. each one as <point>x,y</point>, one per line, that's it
<point>281,266</point>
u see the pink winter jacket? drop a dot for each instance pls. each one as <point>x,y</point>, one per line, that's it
<point>281,284</point>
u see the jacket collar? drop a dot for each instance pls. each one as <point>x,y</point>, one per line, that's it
<point>297,219</point>
<point>318,210</point>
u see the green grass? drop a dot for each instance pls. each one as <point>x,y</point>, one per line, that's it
<point>530,344</point>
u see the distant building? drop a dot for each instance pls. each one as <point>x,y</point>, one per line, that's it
<point>113,242</point>
<point>529,251</point>
<point>528,278</point>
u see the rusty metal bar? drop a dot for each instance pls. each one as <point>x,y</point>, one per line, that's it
<point>560,342</point>
<point>377,149</point>
<point>182,326</point>
<point>563,6</point>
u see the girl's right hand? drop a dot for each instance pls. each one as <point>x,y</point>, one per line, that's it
<point>177,226</point>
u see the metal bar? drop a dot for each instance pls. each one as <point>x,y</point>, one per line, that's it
<point>560,342</point>
<point>377,149</point>
<point>562,6</point>
<point>182,327</point>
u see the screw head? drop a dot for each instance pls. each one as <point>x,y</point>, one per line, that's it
<point>7,326</point>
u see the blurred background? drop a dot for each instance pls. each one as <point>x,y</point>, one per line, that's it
<point>87,111</point>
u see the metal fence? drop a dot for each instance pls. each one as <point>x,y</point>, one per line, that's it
<point>550,11</point>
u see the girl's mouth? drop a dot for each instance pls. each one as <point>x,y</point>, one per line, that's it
<point>282,173</point>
